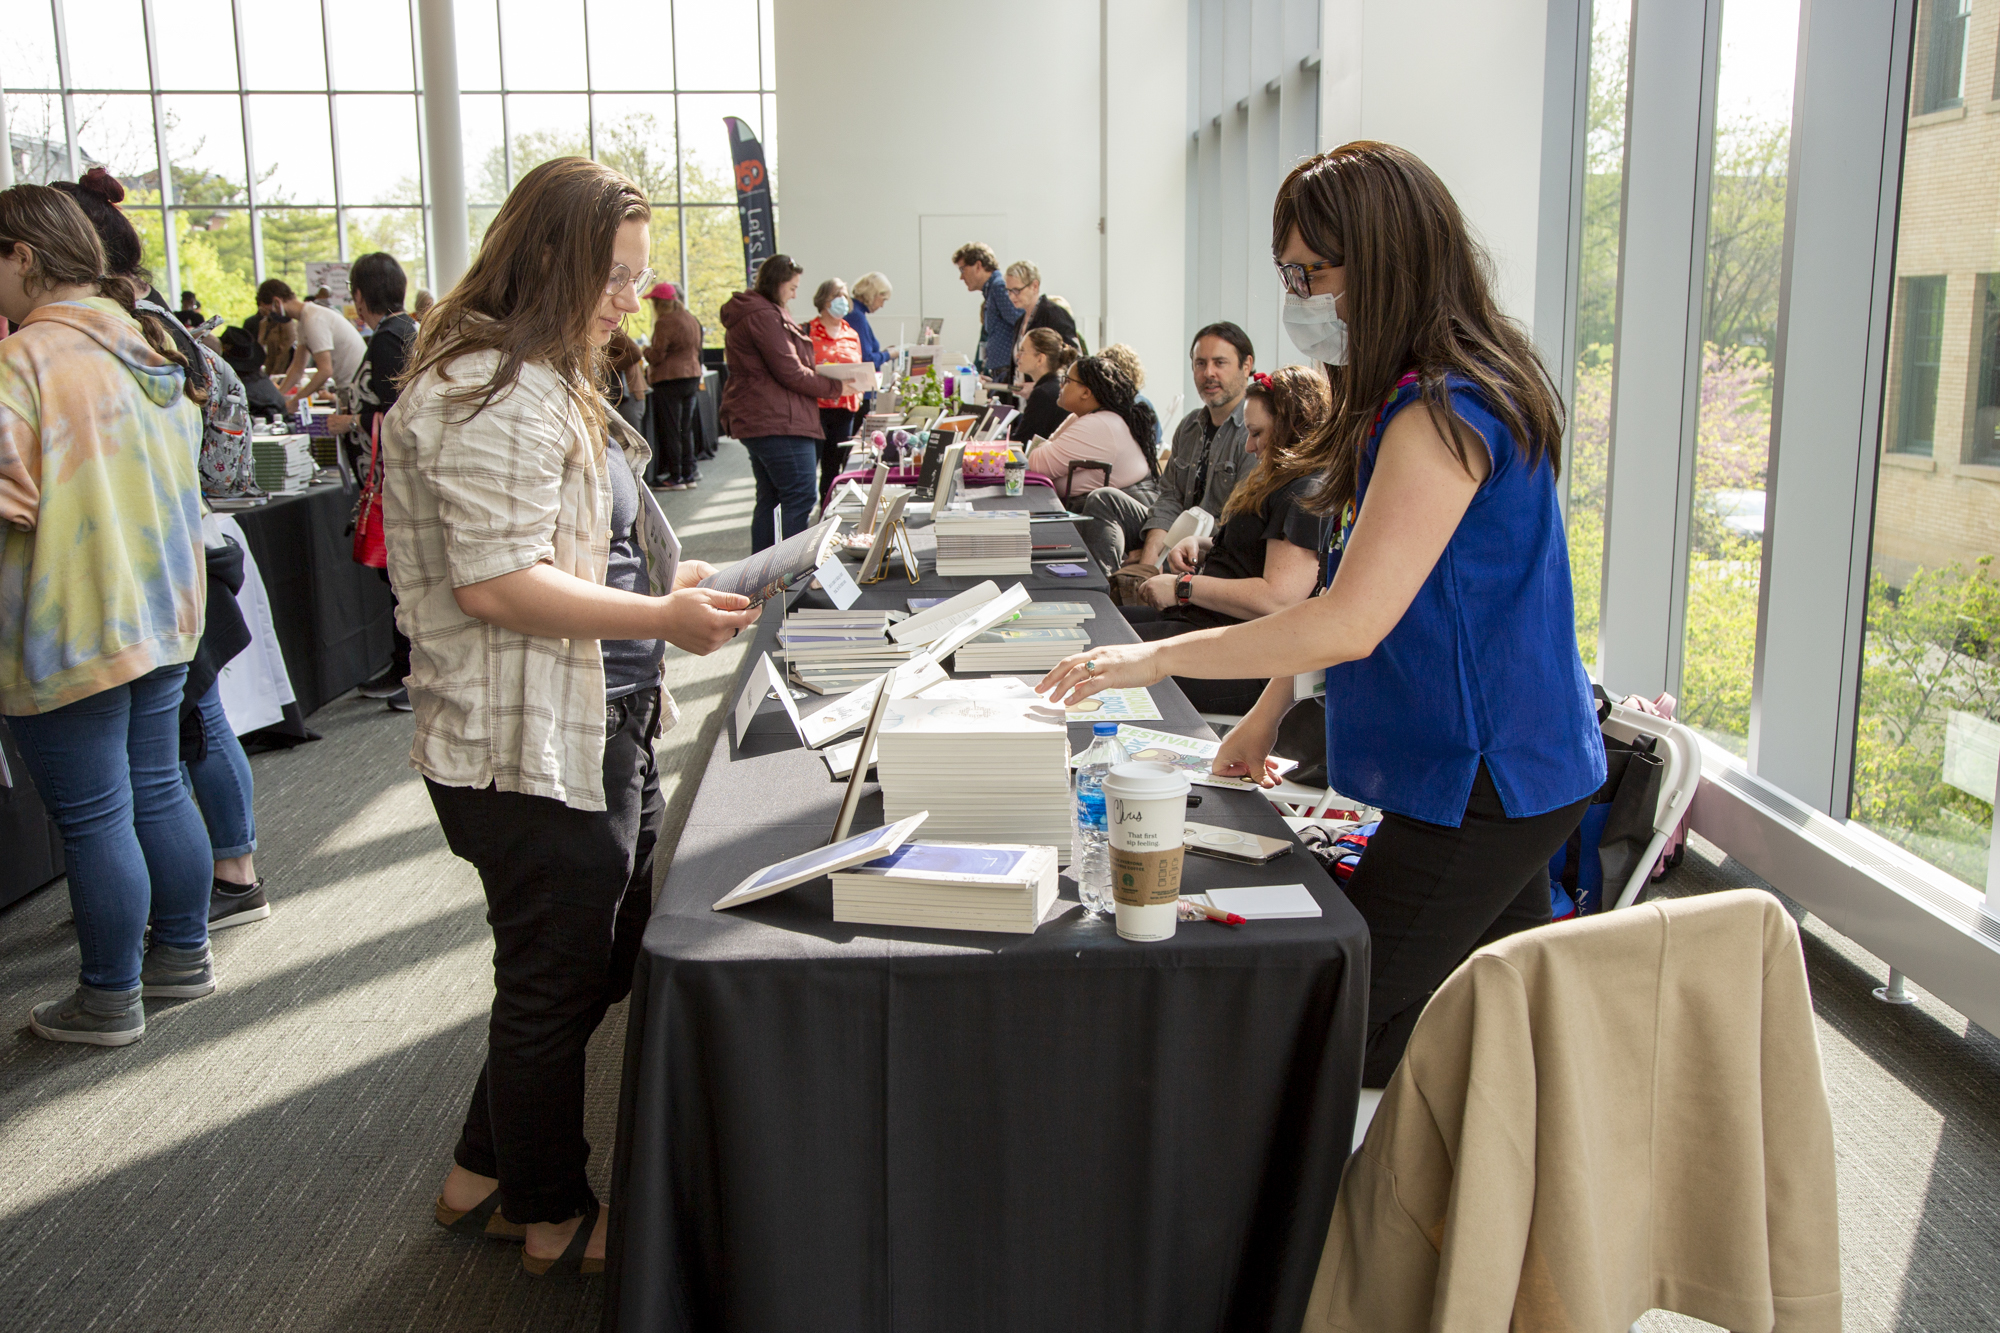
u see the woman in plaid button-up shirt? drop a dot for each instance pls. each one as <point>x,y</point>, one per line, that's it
<point>502,478</point>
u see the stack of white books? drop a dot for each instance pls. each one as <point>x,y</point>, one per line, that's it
<point>1021,647</point>
<point>1048,615</point>
<point>950,886</point>
<point>829,652</point>
<point>988,770</point>
<point>1042,635</point>
<point>989,541</point>
<point>282,464</point>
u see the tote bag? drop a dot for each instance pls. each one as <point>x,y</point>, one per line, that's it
<point>370,547</point>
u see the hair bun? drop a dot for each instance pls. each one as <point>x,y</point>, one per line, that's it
<point>102,183</point>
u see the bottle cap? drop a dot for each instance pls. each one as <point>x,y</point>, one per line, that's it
<point>1104,728</point>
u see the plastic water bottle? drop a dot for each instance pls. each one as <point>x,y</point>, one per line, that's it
<point>1090,839</point>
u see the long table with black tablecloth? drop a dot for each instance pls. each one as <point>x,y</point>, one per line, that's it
<point>334,617</point>
<point>828,1126</point>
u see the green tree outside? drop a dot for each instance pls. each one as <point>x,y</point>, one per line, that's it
<point>1930,653</point>
<point>1932,646</point>
<point>638,145</point>
<point>1741,272</point>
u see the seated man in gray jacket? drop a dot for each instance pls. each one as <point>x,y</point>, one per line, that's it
<point>1207,456</point>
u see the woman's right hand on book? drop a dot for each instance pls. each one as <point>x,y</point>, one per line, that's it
<point>700,620</point>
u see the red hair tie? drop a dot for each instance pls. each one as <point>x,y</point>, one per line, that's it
<point>1260,379</point>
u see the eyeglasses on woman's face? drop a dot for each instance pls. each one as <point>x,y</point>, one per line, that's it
<point>622,277</point>
<point>1297,278</point>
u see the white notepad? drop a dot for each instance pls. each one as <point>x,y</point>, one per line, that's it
<point>1265,902</point>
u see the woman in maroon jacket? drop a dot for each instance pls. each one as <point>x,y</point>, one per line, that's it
<point>772,398</point>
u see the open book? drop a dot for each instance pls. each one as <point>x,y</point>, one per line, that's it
<point>774,569</point>
<point>859,376</point>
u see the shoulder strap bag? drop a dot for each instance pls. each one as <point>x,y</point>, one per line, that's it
<point>371,548</point>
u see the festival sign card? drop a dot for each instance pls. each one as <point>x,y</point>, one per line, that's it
<point>1190,754</point>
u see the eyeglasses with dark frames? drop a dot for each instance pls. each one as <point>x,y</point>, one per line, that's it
<point>1297,278</point>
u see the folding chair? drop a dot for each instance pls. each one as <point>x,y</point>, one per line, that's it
<point>1679,752</point>
<point>1084,465</point>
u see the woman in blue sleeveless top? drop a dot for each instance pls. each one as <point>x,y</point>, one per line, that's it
<point>1455,699</point>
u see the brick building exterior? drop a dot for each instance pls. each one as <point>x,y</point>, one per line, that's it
<point>1939,495</point>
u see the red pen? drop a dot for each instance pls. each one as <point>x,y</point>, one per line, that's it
<point>1217,914</point>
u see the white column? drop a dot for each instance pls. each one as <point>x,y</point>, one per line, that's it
<point>1103,175</point>
<point>444,149</point>
<point>167,201</point>
<point>1649,500</point>
<point>1559,251</point>
<point>1833,338</point>
<point>6,150</point>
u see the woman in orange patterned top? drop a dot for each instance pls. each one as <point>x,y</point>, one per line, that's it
<point>834,343</point>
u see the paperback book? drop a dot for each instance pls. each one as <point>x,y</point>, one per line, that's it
<point>797,870</point>
<point>770,572</point>
<point>986,769</point>
<point>1006,887</point>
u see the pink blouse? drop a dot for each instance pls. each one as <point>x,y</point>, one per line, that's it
<point>1100,437</point>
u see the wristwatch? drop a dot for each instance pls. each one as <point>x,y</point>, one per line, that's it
<point>1184,590</point>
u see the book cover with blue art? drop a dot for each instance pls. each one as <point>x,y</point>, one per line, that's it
<point>936,858</point>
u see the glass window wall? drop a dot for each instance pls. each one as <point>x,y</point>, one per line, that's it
<point>1927,745</point>
<point>1741,276</point>
<point>292,126</point>
<point>609,84</point>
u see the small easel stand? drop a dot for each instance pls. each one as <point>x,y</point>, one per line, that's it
<point>899,542</point>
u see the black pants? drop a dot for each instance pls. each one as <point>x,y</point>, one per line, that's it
<point>567,894</point>
<point>673,430</point>
<point>1235,697</point>
<point>836,426</point>
<point>1432,894</point>
<point>399,642</point>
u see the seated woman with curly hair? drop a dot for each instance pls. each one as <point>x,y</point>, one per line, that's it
<point>1265,555</point>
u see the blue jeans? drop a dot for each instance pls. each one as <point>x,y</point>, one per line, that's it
<point>787,472</point>
<point>109,770</point>
<point>220,782</point>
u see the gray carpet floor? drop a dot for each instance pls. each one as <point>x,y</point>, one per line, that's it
<point>266,1158</point>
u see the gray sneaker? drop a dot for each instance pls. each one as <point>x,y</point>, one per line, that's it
<point>93,1017</point>
<point>177,974</point>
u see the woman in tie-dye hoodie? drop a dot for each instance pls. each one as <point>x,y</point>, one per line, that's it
<point>101,587</point>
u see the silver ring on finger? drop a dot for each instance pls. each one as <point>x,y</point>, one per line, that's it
<point>1090,668</point>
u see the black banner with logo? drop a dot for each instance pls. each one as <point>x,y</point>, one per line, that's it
<point>753,197</point>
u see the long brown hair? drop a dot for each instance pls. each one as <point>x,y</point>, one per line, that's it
<point>1419,298</point>
<point>69,253</point>
<point>535,285</point>
<point>1298,401</point>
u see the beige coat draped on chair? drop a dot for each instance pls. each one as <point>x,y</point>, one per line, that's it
<point>1597,1119</point>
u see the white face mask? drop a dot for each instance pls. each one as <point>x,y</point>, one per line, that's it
<point>1316,328</point>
